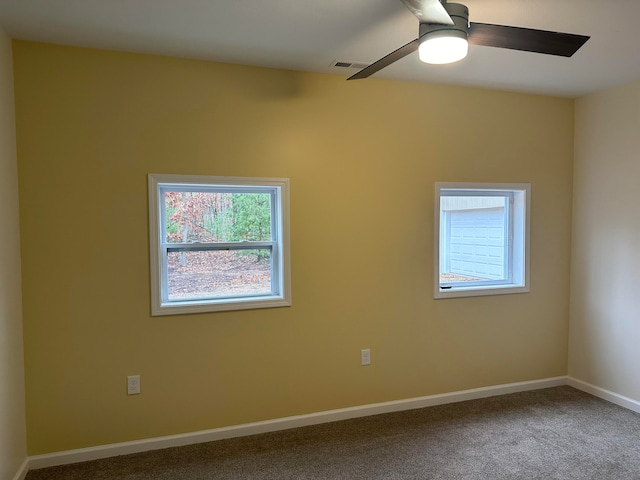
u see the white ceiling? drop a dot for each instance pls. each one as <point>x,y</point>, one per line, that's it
<point>310,34</point>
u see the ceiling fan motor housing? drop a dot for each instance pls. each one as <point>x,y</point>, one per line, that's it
<point>459,14</point>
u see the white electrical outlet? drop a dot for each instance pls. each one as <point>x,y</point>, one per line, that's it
<point>365,356</point>
<point>133,384</point>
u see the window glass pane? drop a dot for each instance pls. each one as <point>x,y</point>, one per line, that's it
<point>473,239</point>
<point>235,243</point>
<point>218,273</point>
<point>481,244</point>
<point>209,217</point>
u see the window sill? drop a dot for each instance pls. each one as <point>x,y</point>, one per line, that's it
<point>479,291</point>
<point>194,306</point>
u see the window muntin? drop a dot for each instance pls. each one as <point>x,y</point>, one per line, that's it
<point>218,243</point>
<point>481,245</point>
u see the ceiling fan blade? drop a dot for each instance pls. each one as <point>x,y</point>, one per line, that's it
<point>429,11</point>
<point>526,39</point>
<point>387,60</point>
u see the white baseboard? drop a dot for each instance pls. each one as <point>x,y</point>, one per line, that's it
<point>22,471</point>
<point>125,448</point>
<point>608,395</point>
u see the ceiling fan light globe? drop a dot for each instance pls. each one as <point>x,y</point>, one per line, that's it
<point>443,49</point>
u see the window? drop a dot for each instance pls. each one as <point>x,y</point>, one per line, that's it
<point>218,243</point>
<point>482,239</point>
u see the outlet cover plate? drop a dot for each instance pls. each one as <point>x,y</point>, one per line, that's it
<point>133,384</point>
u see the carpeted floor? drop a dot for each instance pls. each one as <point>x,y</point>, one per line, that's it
<point>555,433</point>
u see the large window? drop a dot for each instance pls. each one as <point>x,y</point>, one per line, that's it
<point>218,243</point>
<point>482,239</point>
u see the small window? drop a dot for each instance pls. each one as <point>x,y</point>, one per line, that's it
<point>482,239</point>
<point>218,243</point>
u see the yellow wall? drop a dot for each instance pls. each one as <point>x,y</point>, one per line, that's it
<point>13,442</point>
<point>362,158</point>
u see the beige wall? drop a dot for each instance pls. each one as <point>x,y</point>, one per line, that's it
<point>362,158</point>
<point>605,304</point>
<point>12,411</point>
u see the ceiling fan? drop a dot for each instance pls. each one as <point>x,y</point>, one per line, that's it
<point>445,32</point>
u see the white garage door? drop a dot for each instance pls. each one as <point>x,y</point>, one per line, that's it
<point>476,243</point>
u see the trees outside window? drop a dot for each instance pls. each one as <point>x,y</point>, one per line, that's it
<point>218,243</point>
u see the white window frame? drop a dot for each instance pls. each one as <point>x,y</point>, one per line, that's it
<point>517,248</point>
<point>280,295</point>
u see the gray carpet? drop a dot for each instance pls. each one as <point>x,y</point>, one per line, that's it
<point>555,433</point>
